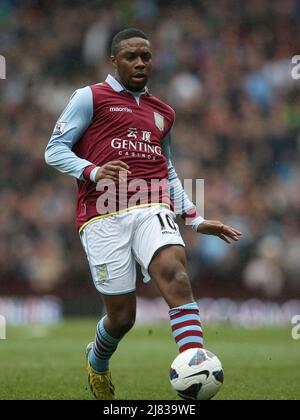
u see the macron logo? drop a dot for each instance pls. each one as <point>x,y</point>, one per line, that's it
<point>120,109</point>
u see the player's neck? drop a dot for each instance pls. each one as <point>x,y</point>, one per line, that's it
<point>134,92</point>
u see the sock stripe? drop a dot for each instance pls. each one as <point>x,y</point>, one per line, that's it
<point>188,328</point>
<point>102,347</point>
<point>100,354</point>
<point>102,357</point>
<point>185,317</point>
<point>104,341</point>
<point>189,340</point>
<point>188,334</point>
<point>185,324</point>
<point>190,346</point>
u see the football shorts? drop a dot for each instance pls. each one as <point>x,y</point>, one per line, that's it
<point>114,245</point>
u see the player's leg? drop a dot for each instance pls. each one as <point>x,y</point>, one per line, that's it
<point>168,270</point>
<point>119,319</point>
<point>160,250</point>
<point>110,330</point>
<point>107,245</point>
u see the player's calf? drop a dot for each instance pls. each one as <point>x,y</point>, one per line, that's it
<point>168,268</point>
<point>110,330</point>
<point>119,324</point>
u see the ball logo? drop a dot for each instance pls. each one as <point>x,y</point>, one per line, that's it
<point>296,329</point>
<point>202,372</point>
<point>2,67</point>
<point>296,69</point>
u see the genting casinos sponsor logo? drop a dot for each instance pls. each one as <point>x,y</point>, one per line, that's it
<point>2,67</point>
<point>137,144</point>
<point>296,69</point>
<point>136,148</point>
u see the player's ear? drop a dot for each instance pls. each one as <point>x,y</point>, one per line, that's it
<point>113,61</point>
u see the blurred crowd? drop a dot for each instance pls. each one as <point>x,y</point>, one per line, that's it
<point>224,66</point>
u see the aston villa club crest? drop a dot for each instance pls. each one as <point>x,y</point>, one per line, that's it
<point>159,121</point>
<point>101,273</point>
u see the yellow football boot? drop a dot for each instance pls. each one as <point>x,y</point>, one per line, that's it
<point>100,383</point>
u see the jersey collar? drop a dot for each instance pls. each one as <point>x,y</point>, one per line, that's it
<point>117,87</point>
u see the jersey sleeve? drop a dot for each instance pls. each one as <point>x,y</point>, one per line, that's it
<point>180,199</point>
<point>72,123</point>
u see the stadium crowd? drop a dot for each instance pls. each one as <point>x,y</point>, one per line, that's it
<point>224,66</point>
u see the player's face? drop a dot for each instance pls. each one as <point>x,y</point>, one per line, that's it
<point>133,63</point>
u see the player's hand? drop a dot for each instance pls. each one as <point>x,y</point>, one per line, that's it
<point>111,170</point>
<point>216,228</point>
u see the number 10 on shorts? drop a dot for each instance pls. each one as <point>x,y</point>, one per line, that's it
<point>167,223</point>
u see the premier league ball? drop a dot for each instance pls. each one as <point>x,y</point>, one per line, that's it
<point>196,374</point>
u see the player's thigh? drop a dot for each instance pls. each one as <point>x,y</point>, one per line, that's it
<point>156,230</point>
<point>108,250</point>
<point>168,259</point>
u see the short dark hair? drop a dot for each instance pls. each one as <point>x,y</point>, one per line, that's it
<point>125,34</point>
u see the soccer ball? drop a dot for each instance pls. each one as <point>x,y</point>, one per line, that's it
<point>196,374</point>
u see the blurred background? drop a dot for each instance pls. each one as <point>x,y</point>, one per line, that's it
<point>225,67</point>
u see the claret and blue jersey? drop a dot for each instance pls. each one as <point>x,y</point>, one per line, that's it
<point>105,122</point>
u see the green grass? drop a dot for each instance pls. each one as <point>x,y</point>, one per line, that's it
<point>48,363</point>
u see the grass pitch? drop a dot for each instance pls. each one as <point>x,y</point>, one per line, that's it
<point>49,363</point>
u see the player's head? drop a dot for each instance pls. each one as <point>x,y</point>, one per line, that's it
<point>132,58</point>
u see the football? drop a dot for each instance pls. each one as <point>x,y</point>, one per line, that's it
<point>196,374</point>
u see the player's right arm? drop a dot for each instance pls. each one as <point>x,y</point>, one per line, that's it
<point>72,123</point>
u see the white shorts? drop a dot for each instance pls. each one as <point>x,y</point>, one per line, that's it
<point>115,243</point>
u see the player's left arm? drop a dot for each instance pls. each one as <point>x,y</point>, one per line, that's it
<point>187,209</point>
